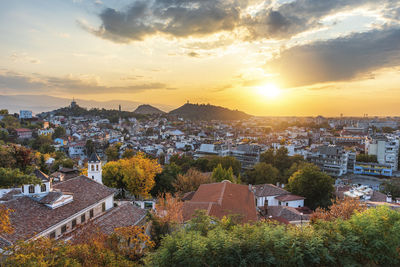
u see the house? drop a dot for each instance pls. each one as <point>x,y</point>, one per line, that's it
<point>222,199</point>
<point>271,195</point>
<point>23,133</point>
<point>56,210</point>
<point>25,114</point>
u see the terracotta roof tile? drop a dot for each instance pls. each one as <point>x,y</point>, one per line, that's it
<point>31,217</point>
<point>289,197</point>
<point>221,199</point>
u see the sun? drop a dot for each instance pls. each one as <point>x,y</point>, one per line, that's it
<point>269,90</point>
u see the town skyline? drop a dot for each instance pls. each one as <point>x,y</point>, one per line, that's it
<point>266,58</point>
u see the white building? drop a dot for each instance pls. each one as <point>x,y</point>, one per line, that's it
<point>271,195</point>
<point>25,114</point>
<point>94,168</point>
<point>386,150</point>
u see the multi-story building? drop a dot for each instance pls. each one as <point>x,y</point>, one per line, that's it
<point>386,150</point>
<point>330,159</point>
<point>25,114</point>
<point>370,168</point>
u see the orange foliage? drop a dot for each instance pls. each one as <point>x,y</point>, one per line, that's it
<point>131,241</point>
<point>343,209</point>
<point>5,223</point>
<point>191,181</point>
<point>139,173</point>
<point>169,209</point>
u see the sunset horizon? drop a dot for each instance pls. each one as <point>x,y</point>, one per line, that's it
<point>330,58</point>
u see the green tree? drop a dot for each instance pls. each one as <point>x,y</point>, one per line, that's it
<point>184,162</point>
<point>59,132</point>
<point>392,187</point>
<point>112,152</point>
<point>262,173</point>
<point>268,156</point>
<point>14,178</point>
<point>314,185</point>
<point>220,174</point>
<point>128,153</point>
<point>164,181</point>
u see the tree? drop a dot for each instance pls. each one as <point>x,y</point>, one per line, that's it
<point>225,162</point>
<point>341,208</point>
<point>59,132</point>
<point>112,152</point>
<point>64,162</point>
<point>43,143</point>
<point>368,238</point>
<point>89,147</point>
<point>134,174</point>
<point>164,180</point>
<point>128,153</point>
<point>314,185</point>
<point>262,173</point>
<point>191,181</point>
<point>268,156</point>
<point>392,187</point>
<point>15,178</point>
<point>5,223</point>
<point>220,174</point>
<point>166,218</point>
<point>282,160</point>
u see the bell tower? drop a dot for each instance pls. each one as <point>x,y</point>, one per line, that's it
<point>94,168</point>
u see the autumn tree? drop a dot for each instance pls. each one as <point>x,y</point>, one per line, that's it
<point>135,174</point>
<point>191,181</point>
<point>341,208</point>
<point>5,223</point>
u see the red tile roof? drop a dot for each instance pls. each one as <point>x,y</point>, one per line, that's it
<point>221,199</point>
<point>31,217</point>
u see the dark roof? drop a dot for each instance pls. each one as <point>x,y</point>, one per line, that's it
<point>51,197</point>
<point>10,195</point>
<point>188,196</point>
<point>31,217</point>
<point>94,158</point>
<point>289,197</point>
<point>66,170</point>
<point>378,197</point>
<point>127,214</point>
<point>266,190</point>
<point>41,175</point>
<point>287,213</point>
<point>221,199</point>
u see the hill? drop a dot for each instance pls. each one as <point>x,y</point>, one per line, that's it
<point>43,103</point>
<point>147,110</point>
<point>208,112</point>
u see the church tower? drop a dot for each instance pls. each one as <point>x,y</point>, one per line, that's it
<point>94,168</point>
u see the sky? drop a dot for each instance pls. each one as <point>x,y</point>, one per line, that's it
<point>277,58</point>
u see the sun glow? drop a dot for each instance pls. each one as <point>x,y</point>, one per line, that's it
<point>269,90</point>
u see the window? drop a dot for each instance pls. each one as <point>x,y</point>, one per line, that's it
<point>52,235</point>
<point>31,189</point>
<point>280,203</point>
<point>266,202</point>
<point>22,189</point>
<point>92,167</point>
<point>97,167</point>
<point>64,228</point>
<point>287,204</point>
<point>83,218</point>
<point>91,213</point>
<point>103,206</point>
<point>73,223</point>
<point>43,188</point>
<point>92,176</point>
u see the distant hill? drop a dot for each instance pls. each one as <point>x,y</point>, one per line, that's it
<point>43,103</point>
<point>207,112</point>
<point>147,110</point>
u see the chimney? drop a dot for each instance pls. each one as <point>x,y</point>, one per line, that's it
<point>277,184</point>
<point>250,188</point>
<point>389,198</point>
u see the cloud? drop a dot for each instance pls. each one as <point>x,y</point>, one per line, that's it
<point>24,57</point>
<point>184,18</point>
<point>338,59</point>
<point>12,82</point>
<point>193,54</point>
